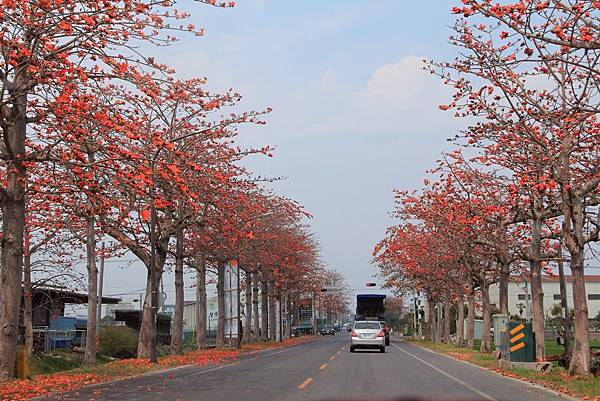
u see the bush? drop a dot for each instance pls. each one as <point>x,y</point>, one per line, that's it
<point>118,341</point>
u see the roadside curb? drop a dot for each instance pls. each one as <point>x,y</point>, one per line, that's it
<point>537,385</point>
<point>168,370</point>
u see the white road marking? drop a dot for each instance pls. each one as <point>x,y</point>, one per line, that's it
<point>473,389</point>
<point>521,381</point>
<point>236,363</point>
<point>213,369</point>
<point>278,352</point>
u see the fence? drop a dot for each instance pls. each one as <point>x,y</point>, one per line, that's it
<point>46,340</point>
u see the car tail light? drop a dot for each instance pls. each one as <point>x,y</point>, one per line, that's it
<point>381,334</point>
<point>354,334</point>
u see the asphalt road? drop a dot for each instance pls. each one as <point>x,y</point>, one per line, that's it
<point>323,369</point>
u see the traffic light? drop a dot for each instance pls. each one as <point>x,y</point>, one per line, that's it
<point>371,284</point>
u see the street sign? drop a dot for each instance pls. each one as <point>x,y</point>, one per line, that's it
<point>160,299</point>
<point>231,290</point>
<point>305,312</point>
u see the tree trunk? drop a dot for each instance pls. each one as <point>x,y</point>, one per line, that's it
<point>563,303</point>
<point>446,321</point>
<point>471,315</point>
<point>573,227</point>
<point>264,308</point>
<point>248,321</point>
<point>92,306</point>
<point>289,315</point>
<point>147,324</point>
<point>485,340</point>
<point>537,293</point>
<point>438,323</point>
<point>177,330</point>
<point>221,305</point>
<point>580,358</point>
<point>201,304</point>
<point>28,304</point>
<point>503,287</point>
<point>272,312</point>
<point>431,335</point>
<point>13,224</point>
<point>460,321</point>
<point>255,317</point>
<point>148,328</point>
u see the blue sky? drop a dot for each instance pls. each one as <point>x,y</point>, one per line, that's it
<point>354,116</point>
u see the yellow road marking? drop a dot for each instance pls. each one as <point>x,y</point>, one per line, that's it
<point>516,329</point>
<point>323,366</point>
<point>332,357</point>
<point>305,383</point>
<point>517,337</point>
<point>517,347</point>
<point>338,352</point>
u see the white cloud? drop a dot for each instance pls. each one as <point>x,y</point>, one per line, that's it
<point>259,5</point>
<point>398,99</point>
<point>403,79</point>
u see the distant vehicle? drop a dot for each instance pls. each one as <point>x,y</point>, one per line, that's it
<point>337,327</point>
<point>371,307</point>
<point>367,334</point>
<point>327,330</point>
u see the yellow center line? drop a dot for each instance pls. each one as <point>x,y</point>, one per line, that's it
<point>332,357</point>
<point>305,383</point>
<point>323,366</point>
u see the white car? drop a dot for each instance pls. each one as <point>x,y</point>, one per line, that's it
<point>367,334</point>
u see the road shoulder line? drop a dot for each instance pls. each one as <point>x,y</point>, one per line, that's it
<point>534,385</point>
<point>448,375</point>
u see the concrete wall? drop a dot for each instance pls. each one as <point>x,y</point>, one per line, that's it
<point>189,315</point>
<point>551,289</point>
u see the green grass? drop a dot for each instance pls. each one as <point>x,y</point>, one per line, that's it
<point>552,348</point>
<point>559,379</point>
<point>57,361</point>
<point>53,362</point>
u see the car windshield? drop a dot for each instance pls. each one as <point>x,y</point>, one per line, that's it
<point>367,325</point>
<point>329,327</point>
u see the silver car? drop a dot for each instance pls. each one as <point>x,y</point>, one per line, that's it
<point>367,334</point>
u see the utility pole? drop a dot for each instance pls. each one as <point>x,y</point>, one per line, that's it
<point>153,283</point>
<point>280,320</point>
<point>314,314</point>
<point>563,302</point>
<point>100,285</point>
<point>239,309</point>
<point>416,325</point>
<point>528,307</point>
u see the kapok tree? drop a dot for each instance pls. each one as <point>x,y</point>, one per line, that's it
<point>166,179</point>
<point>538,60</point>
<point>47,46</point>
